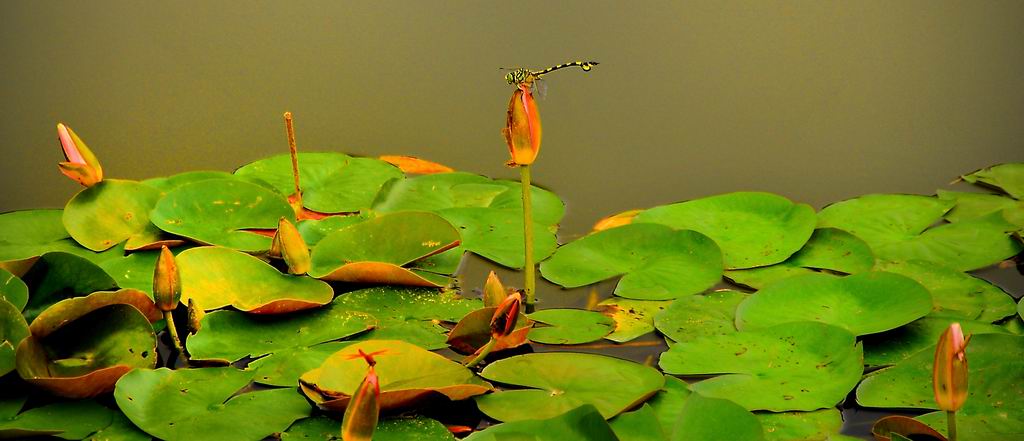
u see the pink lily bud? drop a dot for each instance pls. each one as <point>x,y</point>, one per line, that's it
<point>503,322</point>
<point>80,165</point>
<point>288,242</point>
<point>166,281</point>
<point>522,128</point>
<point>949,373</point>
<point>363,409</point>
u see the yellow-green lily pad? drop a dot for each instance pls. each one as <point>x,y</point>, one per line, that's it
<point>955,293</point>
<point>1006,177</point>
<point>408,314</point>
<point>283,367</point>
<point>13,329</point>
<point>975,205</point>
<point>27,234</point>
<point>693,317</point>
<point>13,289</point>
<point>633,318</point>
<point>828,249</point>
<point>111,211</point>
<point>891,347</point>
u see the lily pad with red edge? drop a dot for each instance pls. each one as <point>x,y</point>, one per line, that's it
<point>13,329</point>
<point>656,262</point>
<point>205,403</point>
<point>633,318</point>
<point>996,393</point>
<point>330,182</point>
<point>27,234</point>
<point>752,228</point>
<point>69,310</point>
<point>408,314</point>
<point>828,249</point>
<point>71,420</point>
<point>86,356</point>
<point>474,331</point>
<point>955,293</point>
<point>219,211</point>
<point>693,317</point>
<point>865,303</point>
<point>382,250</point>
<point>217,277</point>
<point>1007,177</point>
<point>283,367</point>
<point>793,366</point>
<point>417,428</point>
<point>559,381</point>
<point>112,211</point>
<point>407,373</point>
<point>569,326</point>
<point>228,335</point>
<point>582,423</point>
<point>57,276</point>
<point>13,289</point>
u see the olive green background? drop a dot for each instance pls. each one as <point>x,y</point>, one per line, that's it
<point>818,101</point>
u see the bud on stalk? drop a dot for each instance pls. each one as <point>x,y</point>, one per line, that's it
<point>363,409</point>
<point>80,163</point>
<point>949,374</point>
<point>288,242</point>
<point>522,127</point>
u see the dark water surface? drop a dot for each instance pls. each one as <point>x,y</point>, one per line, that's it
<point>817,101</point>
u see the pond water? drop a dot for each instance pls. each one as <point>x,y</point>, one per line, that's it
<point>819,102</point>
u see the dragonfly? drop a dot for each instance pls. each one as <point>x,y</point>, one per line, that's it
<point>532,78</point>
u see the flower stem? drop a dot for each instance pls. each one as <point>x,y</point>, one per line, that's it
<point>951,424</point>
<point>290,128</point>
<point>169,318</point>
<point>531,282</point>
<point>482,353</point>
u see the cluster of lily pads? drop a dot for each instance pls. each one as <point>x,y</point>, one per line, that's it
<point>821,304</point>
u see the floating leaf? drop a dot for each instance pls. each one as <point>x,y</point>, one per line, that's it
<point>407,374</point>
<point>166,184</point>
<point>187,403</point>
<point>497,235</point>
<point>891,347</point>
<point>13,289</point>
<point>996,365</point>
<point>793,366</point>
<point>121,429</point>
<point>705,418</point>
<point>217,277</point>
<point>474,331</point>
<point>69,310</point>
<point>828,249</point>
<point>57,276</point>
<point>13,329</point>
<point>570,326</point>
<point>101,216</point>
<point>377,250</point>
<point>801,426</point>
<point>965,245</point>
<point>638,425</point>
<point>408,314</point>
<point>975,205</point>
<point>330,182</point>
<point>581,423</point>
<point>693,317</point>
<point>28,234</point>
<point>1007,177</point>
<point>657,262</point>
<point>284,366</point>
<point>899,427</point>
<point>753,229</point>
<point>862,303</point>
<point>69,420</point>
<point>954,293</point>
<point>418,428</point>
<point>633,318</point>
<point>562,381</point>
<point>218,211</point>
<point>879,219</point>
<point>313,231</point>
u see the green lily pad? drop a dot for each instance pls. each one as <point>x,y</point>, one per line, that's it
<point>13,329</point>
<point>633,318</point>
<point>862,303</point>
<point>669,402</point>
<point>966,245</point>
<point>570,326</point>
<point>828,249</point>
<point>954,293</point>
<point>136,269</point>
<point>474,331</point>
<point>330,182</point>
<point>408,314</point>
<point>561,381</point>
<point>121,429</point>
<point>168,183</point>
<point>86,356</point>
<point>69,310</point>
<point>801,426</point>
<point>583,423</point>
<point>497,235</point>
<point>758,278</point>
<point>657,262</point>
<point>1006,177</point>
<point>57,276</point>
<point>706,418</point>
<point>996,372</point>
<point>407,375</point>
<point>753,229</point>
<point>13,289</point>
<point>377,250</point>
<point>693,317</point>
<point>879,219</point>
<point>28,234</point>
<point>284,366</point>
<point>975,205</point>
<point>891,347</point>
<point>231,335</point>
<point>793,366</point>
<point>418,428</point>
<point>313,231</point>
<point>68,420</point>
<point>217,211</point>
<point>187,403</point>
<point>109,212</point>
<point>217,277</point>
<point>638,425</point>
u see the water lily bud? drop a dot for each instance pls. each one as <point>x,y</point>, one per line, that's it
<point>615,220</point>
<point>80,165</point>
<point>503,322</point>
<point>195,317</point>
<point>494,292</point>
<point>522,129</point>
<point>363,410</point>
<point>166,281</point>
<point>292,248</point>
<point>949,373</point>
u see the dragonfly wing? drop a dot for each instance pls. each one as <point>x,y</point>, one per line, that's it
<point>540,88</point>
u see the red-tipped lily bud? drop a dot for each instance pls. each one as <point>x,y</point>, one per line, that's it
<point>363,410</point>
<point>494,291</point>
<point>166,281</point>
<point>288,242</point>
<point>503,322</point>
<point>522,128</point>
<point>80,164</point>
<point>949,373</point>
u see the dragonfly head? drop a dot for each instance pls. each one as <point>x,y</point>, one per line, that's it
<point>517,76</point>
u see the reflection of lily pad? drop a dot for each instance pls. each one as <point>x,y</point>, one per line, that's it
<point>109,212</point>
<point>561,381</point>
<point>407,374</point>
<point>996,392</point>
<point>692,317</point>
<point>863,303</point>
<point>954,293</point>
<point>1006,177</point>
<point>190,403</point>
<point>633,318</point>
<point>581,423</point>
<point>753,229</point>
<point>569,326</point>
<point>58,276</point>
<point>217,277</point>
<point>217,211</point>
<point>13,328</point>
<point>13,289</point>
<point>793,366</point>
<point>891,347</point>
<point>408,314</point>
<point>657,262</point>
<point>377,250</point>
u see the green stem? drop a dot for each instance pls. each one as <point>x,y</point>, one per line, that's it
<point>482,353</point>
<point>169,318</point>
<point>951,424</point>
<point>531,282</point>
